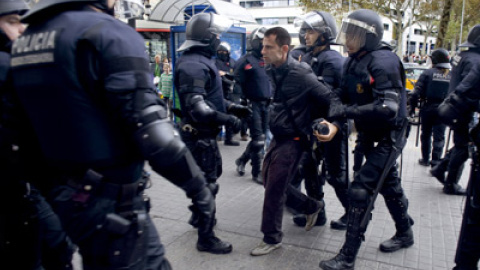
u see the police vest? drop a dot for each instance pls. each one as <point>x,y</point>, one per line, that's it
<point>437,89</point>
<point>73,124</point>
<point>257,85</point>
<point>362,86</point>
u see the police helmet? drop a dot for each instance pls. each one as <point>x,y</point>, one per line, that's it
<point>255,39</point>
<point>12,7</point>
<point>204,30</point>
<point>473,39</point>
<point>363,29</point>
<point>439,56</point>
<point>224,46</point>
<point>319,21</point>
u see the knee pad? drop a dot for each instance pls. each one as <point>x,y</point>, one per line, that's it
<point>257,146</point>
<point>359,198</point>
<point>214,187</point>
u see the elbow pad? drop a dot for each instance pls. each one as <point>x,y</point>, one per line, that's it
<point>166,153</point>
<point>389,106</point>
<point>200,111</point>
<point>453,110</point>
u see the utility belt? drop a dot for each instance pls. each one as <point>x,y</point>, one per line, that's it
<point>127,210</point>
<point>199,132</point>
<point>93,182</point>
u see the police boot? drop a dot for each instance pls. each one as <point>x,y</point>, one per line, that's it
<point>345,259</point>
<point>451,183</point>
<point>438,171</point>
<point>341,223</point>
<point>256,167</point>
<point>208,242</point>
<point>403,238</point>
<point>398,241</point>
<point>213,245</point>
<point>240,166</point>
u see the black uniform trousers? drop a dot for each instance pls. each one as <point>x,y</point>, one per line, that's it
<point>258,125</point>
<point>458,155</point>
<point>431,125</point>
<point>368,176</point>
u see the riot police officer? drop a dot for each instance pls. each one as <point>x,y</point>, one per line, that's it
<point>226,66</point>
<point>455,160</point>
<point>98,117</point>
<point>250,75</point>
<point>373,90</point>
<point>31,235</point>
<point>319,30</point>
<point>204,108</point>
<point>460,104</point>
<point>432,88</point>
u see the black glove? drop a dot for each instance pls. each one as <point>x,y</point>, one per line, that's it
<point>204,203</point>
<point>239,110</point>
<point>235,123</point>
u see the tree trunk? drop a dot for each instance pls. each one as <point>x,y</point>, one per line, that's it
<point>442,28</point>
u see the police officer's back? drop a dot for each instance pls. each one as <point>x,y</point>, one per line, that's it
<point>31,235</point>
<point>459,105</point>
<point>431,89</point>
<point>95,111</point>
<point>462,65</point>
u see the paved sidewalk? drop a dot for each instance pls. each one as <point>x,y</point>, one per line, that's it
<point>239,205</point>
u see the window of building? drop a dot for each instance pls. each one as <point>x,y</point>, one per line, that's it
<point>386,26</point>
<point>275,21</point>
<point>267,3</point>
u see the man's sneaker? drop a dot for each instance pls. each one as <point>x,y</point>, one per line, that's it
<point>240,167</point>
<point>340,224</point>
<point>264,249</point>
<point>311,219</point>
<point>301,219</point>
<point>214,245</point>
<point>424,162</point>
<point>398,241</point>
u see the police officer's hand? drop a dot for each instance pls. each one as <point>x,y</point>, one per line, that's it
<point>235,123</point>
<point>326,137</point>
<point>239,110</point>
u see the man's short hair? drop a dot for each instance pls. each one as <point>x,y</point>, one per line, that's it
<point>282,35</point>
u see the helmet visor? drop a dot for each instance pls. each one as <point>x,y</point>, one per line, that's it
<point>219,25</point>
<point>128,9</point>
<point>313,21</point>
<point>353,34</point>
